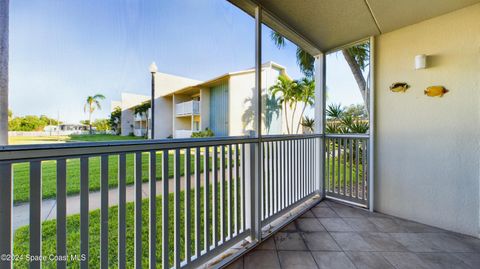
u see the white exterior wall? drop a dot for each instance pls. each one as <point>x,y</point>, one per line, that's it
<point>166,84</point>
<point>204,109</point>
<point>241,89</point>
<point>163,117</point>
<point>129,101</point>
<point>164,108</point>
<point>427,149</point>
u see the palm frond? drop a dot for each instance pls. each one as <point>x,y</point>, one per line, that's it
<point>306,62</point>
<point>277,39</point>
<point>361,54</point>
<point>334,111</point>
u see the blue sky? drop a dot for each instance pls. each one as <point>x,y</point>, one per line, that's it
<point>63,51</point>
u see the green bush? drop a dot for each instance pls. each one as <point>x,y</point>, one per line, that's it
<point>30,123</point>
<point>206,133</point>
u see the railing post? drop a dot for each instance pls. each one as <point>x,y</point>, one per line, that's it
<point>6,213</point>
<point>320,89</point>
<point>252,191</point>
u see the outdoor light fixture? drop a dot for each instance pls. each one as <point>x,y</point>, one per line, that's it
<point>153,69</point>
<point>420,61</point>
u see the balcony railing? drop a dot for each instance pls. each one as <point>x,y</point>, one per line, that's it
<point>183,133</point>
<point>187,108</point>
<point>139,131</point>
<point>346,167</point>
<point>205,195</point>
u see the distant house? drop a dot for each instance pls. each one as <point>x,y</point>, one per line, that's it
<point>222,104</point>
<point>67,127</point>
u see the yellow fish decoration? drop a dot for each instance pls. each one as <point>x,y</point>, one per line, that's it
<point>433,91</point>
<point>399,87</point>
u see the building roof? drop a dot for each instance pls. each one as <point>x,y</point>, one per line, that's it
<point>166,84</point>
<point>223,77</point>
<point>320,26</point>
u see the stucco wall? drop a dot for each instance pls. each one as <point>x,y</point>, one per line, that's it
<point>240,89</point>
<point>427,149</point>
<point>204,108</point>
<point>163,117</point>
<point>166,83</point>
<point>130,100</point>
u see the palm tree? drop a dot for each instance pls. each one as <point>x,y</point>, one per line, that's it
<point>288,90</point>
<point>306,95</point>
<point>308,123</point>
<point>304,60</point>
<point>92,103</point>
<point>357,58</point>
<point>335,111</point>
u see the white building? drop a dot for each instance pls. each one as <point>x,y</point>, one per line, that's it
<point>222,104</point>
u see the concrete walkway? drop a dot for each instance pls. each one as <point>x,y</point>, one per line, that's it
<point>49,206</point>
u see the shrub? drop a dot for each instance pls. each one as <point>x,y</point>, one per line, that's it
<point>206,133</point>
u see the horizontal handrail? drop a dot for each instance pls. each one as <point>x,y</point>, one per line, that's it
<point>45,151</point>
<point>28,152</point>
<point>267,138</point>
<point>362,136</point>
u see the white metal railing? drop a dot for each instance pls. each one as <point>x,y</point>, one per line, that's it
<point>139,131</point>
<point>187,108</point>
<point>215,199</point>
<point>183,133</point>
<point>346,167</point>
<point>289,175</point>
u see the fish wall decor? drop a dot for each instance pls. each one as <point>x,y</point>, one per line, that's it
<point>399,87</point>
<point>434,91</point>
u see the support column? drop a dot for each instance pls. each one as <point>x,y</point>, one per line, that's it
<point>371,120</point>
<point>319,124</point>
<point>4,10</point>
<point>255,148</point>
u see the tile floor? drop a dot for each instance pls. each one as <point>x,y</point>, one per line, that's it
<point>332,235</point>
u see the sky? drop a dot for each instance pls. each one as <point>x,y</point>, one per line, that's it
<point>63,51</point>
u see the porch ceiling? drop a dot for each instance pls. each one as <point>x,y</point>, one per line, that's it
<point>328,24</point>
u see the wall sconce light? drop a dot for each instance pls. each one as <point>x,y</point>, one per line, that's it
<point>420,61</point>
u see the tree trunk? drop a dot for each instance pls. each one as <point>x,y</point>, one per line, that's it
<point>357,74</point>
<point>286,117</point>
<point>4,8</point>
<point>293,116</point>
<point>90,121</point>
<point>301,117</point>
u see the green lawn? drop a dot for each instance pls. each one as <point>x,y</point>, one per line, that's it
<point>21,172</point>
<point>334,180</point>
<point>21,236</point>
<point>101,137</point>
<point>22,140</point>
<point>31,140</point>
